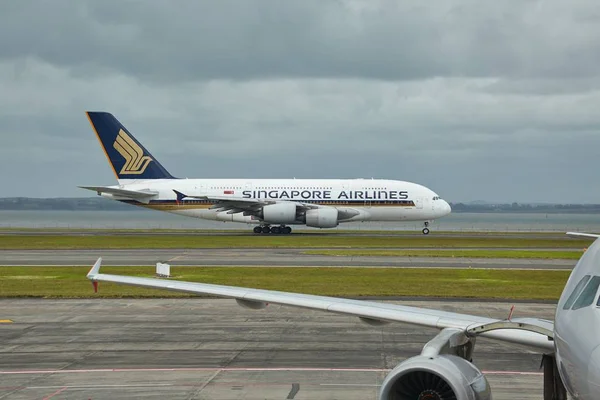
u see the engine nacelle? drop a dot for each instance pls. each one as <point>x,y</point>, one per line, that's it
<point>439,377</point>
<point>322,218</point>
<point>279,213</point>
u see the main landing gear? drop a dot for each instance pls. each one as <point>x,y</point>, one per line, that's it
<point>266,229</point>
<point>426,229</point>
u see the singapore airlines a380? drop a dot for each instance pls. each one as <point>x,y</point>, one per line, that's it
<point>272,205</point>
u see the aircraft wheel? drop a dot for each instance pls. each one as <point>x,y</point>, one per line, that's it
<point>258,229</point>
<point>425,231</point>
<point>426,223</point>
<point>266,229</point>
<point>276,230</point>
<point>286,230</point>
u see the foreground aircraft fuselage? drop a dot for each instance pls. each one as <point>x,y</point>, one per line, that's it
<point>272,204</point>
<point>445,369</point>
<point>577,328</point>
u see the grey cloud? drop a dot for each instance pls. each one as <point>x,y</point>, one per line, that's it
<point>495,101</point>
<point>388,40</point>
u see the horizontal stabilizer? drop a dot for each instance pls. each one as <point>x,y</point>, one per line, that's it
<point>131,194</point>
<point>580,235</point>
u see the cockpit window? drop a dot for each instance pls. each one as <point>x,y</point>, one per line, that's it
<point>436,197</point>
<point>588,295</point>
<point>576,292</point>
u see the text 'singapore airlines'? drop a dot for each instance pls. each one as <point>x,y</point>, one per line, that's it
<point>272,205</point>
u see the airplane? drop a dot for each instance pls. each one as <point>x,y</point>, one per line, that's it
<point>445,370</point>
<point>270,204</point>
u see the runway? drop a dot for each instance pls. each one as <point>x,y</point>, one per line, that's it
<point>302,232</point>
<point>213,349</point>
<point>260,257</point>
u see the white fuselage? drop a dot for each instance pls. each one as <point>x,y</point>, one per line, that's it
<point>358,199</point>
<point>577,329</point>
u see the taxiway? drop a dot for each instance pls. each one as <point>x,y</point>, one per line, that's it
<point>261,257</point>
<point>213,349</point>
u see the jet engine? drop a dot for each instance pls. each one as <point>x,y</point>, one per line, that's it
<point>439,377</point>
<point>279,213</point>
<point>322,218</point>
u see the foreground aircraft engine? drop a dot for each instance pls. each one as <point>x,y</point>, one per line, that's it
<point>441,372</point>
<point>322,218</point>
<point>279,213</point>
<point>443,377</point>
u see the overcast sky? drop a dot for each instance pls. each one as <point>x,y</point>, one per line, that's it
<point>478,100</point>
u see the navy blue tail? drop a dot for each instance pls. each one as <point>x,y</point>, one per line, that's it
<point>128,158</point>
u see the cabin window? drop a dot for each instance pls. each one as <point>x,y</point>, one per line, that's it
<point>576,292</point>
<point>588,294</point>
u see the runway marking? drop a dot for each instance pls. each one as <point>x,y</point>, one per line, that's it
<point>294,391</point>
<point>206,383</point>
<point>63,388</point>
<point>231,369</point>
<point>349,384</point>
<point>6,321</point>
<point>59,391</point>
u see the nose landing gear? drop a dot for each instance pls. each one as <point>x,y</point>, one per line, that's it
<point>426,229</point>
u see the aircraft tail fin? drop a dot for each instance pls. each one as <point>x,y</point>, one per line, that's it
<point>127,157</point>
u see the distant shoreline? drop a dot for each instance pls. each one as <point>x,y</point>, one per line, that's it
<point>103,204</point>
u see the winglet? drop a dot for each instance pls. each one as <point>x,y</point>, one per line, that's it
<point>95,269</point>
<point>579,235</point>
<point>93,272</point>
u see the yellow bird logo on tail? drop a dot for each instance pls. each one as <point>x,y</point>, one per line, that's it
<point>135,160</point>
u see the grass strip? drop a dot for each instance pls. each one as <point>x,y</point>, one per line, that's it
<point>519,254</point>
<point>70,282</point>
<point>191,231</point>
<point>275,241</point>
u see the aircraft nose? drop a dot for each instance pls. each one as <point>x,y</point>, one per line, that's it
<point>445,208</point>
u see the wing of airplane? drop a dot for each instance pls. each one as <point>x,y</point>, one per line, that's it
<point>445,363</point>
<point>536,333</point>
<point>579,235</point>
<point>139,195</point>
<point>250,206</point>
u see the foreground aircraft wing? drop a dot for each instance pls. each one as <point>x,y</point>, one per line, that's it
<point>132,194</point>
<point>532,332</point>
<point>579,235</point>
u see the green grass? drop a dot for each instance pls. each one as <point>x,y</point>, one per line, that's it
<point>292,241</point>
<point>70,282</point>
<point>548,234</point>
<point>521,254</point>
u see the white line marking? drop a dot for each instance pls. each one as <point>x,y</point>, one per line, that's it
<point>99,386</point>
<point>349,384</point>
<point>233,369</point>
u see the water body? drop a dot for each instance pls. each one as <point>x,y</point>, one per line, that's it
<point>147,219</point>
